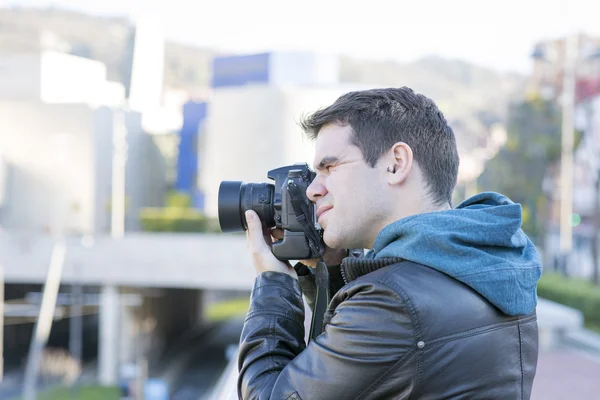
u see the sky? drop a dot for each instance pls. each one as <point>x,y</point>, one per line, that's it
<point>498,35</point>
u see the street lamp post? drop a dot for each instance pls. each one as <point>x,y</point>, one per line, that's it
<point>108,351</point>
<point>119,161</point>
<point>566,165</point>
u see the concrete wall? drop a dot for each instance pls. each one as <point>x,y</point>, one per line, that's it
<point>60,162</point>
<point>195,261</point>
<point>145,169</point>
<point>4,177</point>
<point>20,76</point>
<point>49,150</point>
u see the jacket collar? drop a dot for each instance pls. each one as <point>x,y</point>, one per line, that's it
<point>353,268</point>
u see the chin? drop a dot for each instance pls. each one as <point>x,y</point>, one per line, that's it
<point>331,240</point>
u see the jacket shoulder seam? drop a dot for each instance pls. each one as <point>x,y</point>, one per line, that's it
<point>521,360</point>
<point>404,301</point>
<point>481,330</point>
<point>414,319</point>
<point>284,287</point>
<point>471,333</point>
<point>273,314</point>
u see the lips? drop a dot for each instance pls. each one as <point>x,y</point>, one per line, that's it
<point>322,210</point>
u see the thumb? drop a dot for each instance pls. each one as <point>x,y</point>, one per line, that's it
<point>255,233</point>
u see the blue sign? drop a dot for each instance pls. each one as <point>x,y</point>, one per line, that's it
<point>240,70</point>
<point>187,160</point>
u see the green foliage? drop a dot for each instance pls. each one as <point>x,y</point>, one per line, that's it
<point>81,393</point>
<point>518,170</point>
<point>174,219</point>
<point>177,216</point>
<point>577,293</point>
<point>227,309</point>
<point>178,199</point>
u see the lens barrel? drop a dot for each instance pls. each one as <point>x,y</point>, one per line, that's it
<point>236,197</point>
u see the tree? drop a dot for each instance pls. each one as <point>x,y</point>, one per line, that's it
<point>533,146</point>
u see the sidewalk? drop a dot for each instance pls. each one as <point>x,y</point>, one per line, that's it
<point>567,374</point>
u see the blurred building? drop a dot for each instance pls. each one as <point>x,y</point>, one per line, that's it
<point>57,112</point>
<point>3,182</point>
<point>587,157</point>
<point>586,192</point>
<point>252,117</point>
<point>547,80</point>
<point>548,67</point>
<point>57,78</point>
<point>586,167</point>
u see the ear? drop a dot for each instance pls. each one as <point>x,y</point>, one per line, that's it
<point>401,156</point>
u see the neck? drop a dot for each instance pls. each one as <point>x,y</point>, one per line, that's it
<point>415,196</point>
<point>419,202</point>
<point>412,204</point>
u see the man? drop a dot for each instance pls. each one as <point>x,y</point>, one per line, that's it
<point>442,306</point>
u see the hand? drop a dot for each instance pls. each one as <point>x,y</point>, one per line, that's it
<point>330,256</point>
<point>259,243</point>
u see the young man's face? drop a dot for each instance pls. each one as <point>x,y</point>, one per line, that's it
<point>349,194</point>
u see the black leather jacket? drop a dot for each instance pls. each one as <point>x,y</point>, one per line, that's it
<point>395,330</point>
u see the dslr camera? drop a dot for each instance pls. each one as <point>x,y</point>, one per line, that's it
<point>282,205</point>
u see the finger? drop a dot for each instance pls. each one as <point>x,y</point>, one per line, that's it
<point>256,240</point>
<point>268,238</point>
<point>277,234</point>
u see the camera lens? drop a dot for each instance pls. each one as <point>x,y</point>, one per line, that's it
<point>236,197</point>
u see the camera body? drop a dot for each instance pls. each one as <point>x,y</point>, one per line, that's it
<point>282,205</point>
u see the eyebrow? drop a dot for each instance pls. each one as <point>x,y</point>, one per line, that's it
<point>328,160</point>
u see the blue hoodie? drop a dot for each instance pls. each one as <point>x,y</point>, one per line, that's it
<point>480,243</point>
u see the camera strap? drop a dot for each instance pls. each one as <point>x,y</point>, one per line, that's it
<point>321,300</point>
<point>315,242</point>
<point>302,216</point>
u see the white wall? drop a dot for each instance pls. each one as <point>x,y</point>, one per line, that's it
<point>70,79</point>
<point>242,138</point>
<point>20,76</point>
<point>49,149</point>
<point>4,173</point>
<point>145,176</point>
<point>148,65</point>
<point>60,157</point>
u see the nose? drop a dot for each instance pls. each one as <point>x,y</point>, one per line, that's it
<point>315,190</point>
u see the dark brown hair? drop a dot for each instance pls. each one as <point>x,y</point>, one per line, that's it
<point>379,118</point>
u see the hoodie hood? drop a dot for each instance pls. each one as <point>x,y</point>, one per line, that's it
<point>480,243</point>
